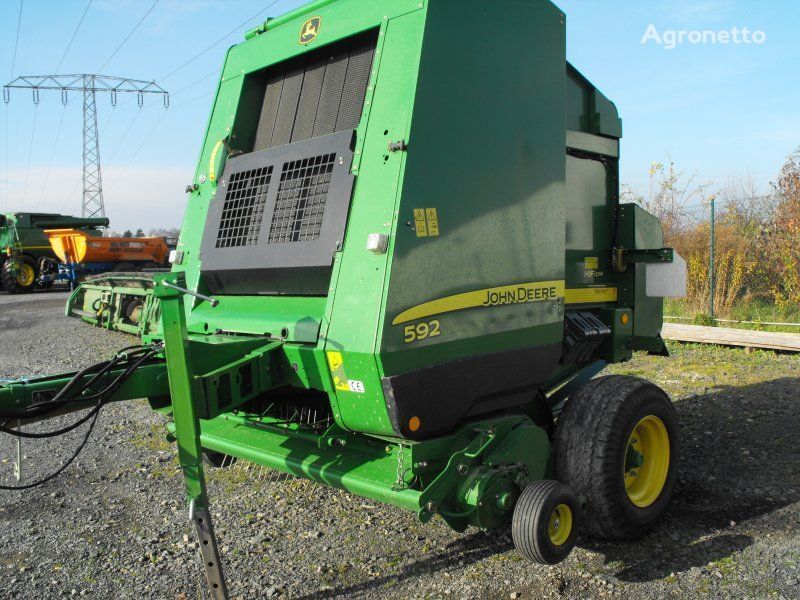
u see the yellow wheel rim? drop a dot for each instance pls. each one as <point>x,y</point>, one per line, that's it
<point>25,275</point>
<point>560,525</point>
<point>646,461</point>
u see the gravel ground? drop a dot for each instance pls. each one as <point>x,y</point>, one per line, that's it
<point>115,524</point>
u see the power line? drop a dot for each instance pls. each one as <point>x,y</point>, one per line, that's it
<point>30,152</point>
<point>6,160</point>
<point>200,97</point>
<point>138,149</point>
<point>16,39</point>
<point>110,159</point>
<point>52,156</point>
<point>222,39</point>
<point>194,83</point>
<point>74,33</point>
<point>11,74</point>
<point>135,27</point>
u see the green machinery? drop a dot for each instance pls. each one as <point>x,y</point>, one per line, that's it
<point>402,262</point>
<point>27,260</point>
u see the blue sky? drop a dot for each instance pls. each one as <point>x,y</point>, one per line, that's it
<point>718,110</point>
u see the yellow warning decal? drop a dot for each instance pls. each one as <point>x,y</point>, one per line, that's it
<point>426,222</point>
<point>433,221</point>
<point>521,293</point>
<point>336,365</point>
<point>420,224</point>
<point>591,262</point>
<point>590,295</point>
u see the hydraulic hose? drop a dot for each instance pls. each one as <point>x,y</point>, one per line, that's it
<point>132,358</point>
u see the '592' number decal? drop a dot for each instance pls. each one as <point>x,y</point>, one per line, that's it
<point>421,331</point>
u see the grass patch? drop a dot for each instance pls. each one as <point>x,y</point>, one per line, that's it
<point>154,440</point>
<point>696,368</point>
<point>752,310</point>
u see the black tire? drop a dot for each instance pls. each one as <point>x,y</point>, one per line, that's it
<point>592,440</point>
<point>12,282</point>
<point>132,310</point>
<point>541,505</point>
<point>217,460</point>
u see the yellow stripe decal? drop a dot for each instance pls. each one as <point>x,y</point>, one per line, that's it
<point>520,293</point>
<point>590,295</point>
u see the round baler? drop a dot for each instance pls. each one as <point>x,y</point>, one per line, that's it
<point>403,262</point>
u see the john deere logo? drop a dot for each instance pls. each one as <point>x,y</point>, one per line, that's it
<point>310,30</point>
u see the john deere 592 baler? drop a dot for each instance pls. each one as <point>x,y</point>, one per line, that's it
<point>402,262</point>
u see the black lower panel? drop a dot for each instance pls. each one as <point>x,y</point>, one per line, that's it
<point>309,281</point>
<point>442,395</point>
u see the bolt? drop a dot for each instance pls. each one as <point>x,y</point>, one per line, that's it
<point>431,506</point>
<point>463,469</point>
<point>556,523</point>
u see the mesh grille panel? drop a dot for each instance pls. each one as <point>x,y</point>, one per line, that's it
<point>269,112</point>
<point>302,195</point>
<point>331,97</point>
<point>355,86</point>
<point>320,93</point>
<point>243,208</point>
<point>287,107</point>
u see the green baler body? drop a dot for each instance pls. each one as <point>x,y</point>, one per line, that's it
<point>485,163</point>
<point>482,110</point>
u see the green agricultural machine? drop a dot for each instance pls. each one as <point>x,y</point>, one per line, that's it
<point>27,260</point>
<point>403,262</point>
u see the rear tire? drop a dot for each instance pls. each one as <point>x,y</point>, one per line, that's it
<point>22,279</point>
<point>617,446</point>
<point>545,523</point>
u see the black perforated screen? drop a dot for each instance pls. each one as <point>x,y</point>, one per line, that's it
<point>245,198</point>
<point>300,204</point>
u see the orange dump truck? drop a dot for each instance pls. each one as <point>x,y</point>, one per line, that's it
<point>74,247</point>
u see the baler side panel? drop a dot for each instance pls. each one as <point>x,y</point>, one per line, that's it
<point>481,219</point>
<point>589,226</point>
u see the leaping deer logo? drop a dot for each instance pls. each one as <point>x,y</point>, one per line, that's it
<point>310,30</point>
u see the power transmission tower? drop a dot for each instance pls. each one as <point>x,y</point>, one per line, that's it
<point>89,85</point>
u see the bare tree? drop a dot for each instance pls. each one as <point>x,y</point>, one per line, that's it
<point>670,197</point>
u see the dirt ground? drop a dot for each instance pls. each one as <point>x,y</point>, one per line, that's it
<point>115,524</point>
